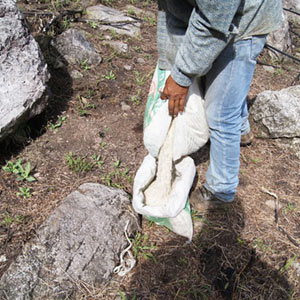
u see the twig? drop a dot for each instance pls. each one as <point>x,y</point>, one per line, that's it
<point>292,240</point>
<point>282,52</point>
<point>291,11</point>
<point>102,22</point>
<point>276,202</point>
<point>294,32</point>
<point>269,65</point>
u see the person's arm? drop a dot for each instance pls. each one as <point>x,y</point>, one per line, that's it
<point>208,33</point>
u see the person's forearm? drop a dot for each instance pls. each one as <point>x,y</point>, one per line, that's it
<point>205,39</point>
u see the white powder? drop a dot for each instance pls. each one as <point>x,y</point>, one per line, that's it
<point>158,191</point>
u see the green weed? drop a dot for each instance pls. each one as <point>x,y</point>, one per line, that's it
<point>97,159</point>
<point>61,120</point>
<point>78,164</point>
<point>93,24</point>
<point>125,298</point>
<point>140,79</point>
<point>84,64</point>
<point>9,220</point>
<point>24,192</point>
<point>21,172</point>
<point>288,264</point>
<point>136,98</point>
<point>114,34</point>
<point>150,20</point>
<point>109,76</point>
<point>141,247</point>
<point>85,107</point>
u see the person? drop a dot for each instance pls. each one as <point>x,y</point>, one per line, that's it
<point>218,41</point>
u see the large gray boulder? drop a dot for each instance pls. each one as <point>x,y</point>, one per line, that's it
<point>75,48</point>
<point>23,71</point>
<point>281,38</point>
<point>114,19</point>
<point>293,5</point>
<point>80,241</point>
<point>277,113</point>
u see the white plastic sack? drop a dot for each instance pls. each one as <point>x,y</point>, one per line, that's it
<point>164,179</point>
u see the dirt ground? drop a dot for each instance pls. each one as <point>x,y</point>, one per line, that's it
<point>86,135</point>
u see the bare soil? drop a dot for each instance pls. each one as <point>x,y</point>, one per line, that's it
<point>237,253</point>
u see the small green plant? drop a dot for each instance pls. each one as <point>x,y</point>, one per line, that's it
<point>24,192</point>
<point>288,264</point>
<point>125,298</point>
<point>110,76</point>
<point>131,11</point>
<point>85,65</point>
<point>136,98</point>
<point>137,48</point>
<point>78,164</point>
<point>85,106</point>
<point>9,220</point>
<point>60,121</point>
<point>140,79</point>
<point>290,207</point>
<point>279,71</point>
<point>114,34</point>
<point>141,247</point>
<point>97,159</point>
<point>21,172</point>
<point>150,20</point>
<point>93,24</point>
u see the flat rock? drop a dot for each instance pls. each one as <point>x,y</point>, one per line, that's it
<point>75,48</point>
<point>277,113</point>
<point>23,71</point>
<point>119,22</point>
<point>80,241</point>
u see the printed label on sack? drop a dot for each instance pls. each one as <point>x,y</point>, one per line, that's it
<point>154,102</point>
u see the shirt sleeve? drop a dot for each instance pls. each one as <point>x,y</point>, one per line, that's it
<point>210,29</point>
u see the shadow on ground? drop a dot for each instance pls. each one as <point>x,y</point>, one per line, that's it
<point>218,264</point>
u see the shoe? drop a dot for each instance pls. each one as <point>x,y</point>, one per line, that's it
<point>202,199</point>
<point>247,139</point>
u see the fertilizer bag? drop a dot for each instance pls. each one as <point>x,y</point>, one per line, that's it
<point>163,181</point>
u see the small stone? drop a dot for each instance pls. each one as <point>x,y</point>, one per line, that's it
<point>108,37</point>
<point>269,69</point>
<point>141,61</point>
<point>125,107</point>
<point>271,204</point>
<point>3,258</point>
<point>76,74</point>
<point>127,67</point>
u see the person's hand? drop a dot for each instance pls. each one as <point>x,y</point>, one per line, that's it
<point>176,95</point>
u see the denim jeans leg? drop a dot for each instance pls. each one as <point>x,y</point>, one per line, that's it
<point>227,86</point>
<point>245,122</point>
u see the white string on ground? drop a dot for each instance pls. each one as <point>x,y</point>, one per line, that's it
<point>126,264</point>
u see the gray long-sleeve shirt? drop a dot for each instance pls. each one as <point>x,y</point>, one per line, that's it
<point>192,33</point>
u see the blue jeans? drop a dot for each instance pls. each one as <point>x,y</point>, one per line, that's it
<point>226,88</point>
